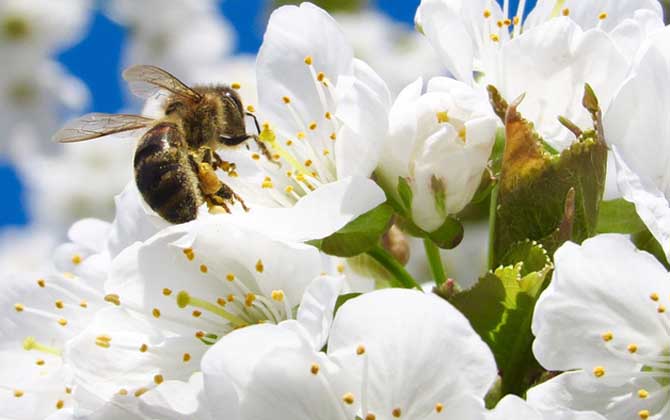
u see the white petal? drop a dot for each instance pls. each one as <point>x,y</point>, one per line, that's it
<point>603,286</point>
<point>513,407</point>
<point>178,400</point>
<point>436,355</point>
<point>316,308</point>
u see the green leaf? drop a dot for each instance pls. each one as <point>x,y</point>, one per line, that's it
<point>500,308</point>
<point>535,185</point>
<point>330,5</point>
<point>645,241</point>
<point>360,235</point>
<point>619,216</point>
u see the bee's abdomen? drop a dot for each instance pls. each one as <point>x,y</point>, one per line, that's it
<point>164,176</point>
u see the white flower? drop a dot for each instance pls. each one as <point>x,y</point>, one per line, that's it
<point>603,318</point>
<point>41,313</point>
<point>25,249</point>
<point>185,288</point>
<point>35,27</point>
<point>391,353</point>
<point>184,36</point>
<point>33,96</point>
<point>548,60</point>
<point>393,49</point>
<point>440,142</point>
<point>639,133</point>
<point>325,112</point>
<point>514,408</point>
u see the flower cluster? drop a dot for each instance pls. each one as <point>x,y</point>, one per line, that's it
<point>326,294</point>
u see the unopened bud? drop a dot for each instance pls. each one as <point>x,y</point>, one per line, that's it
<point>395,242</point>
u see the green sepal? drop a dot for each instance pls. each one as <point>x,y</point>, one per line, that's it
<point>330,5</point>
<point>619,216</point>
<point>359,235</point>
<point>342,299</point>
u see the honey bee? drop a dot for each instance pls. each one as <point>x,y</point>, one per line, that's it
<point>175,159</point>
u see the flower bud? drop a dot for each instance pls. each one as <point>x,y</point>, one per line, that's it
<point>439,142</point>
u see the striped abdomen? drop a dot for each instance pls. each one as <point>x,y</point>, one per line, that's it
<point>164,175</point>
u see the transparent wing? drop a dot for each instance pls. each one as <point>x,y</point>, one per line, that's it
<point>145,81</point>
<point>93,126</point>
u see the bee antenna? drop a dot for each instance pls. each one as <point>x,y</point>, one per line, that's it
<point>258,127</point>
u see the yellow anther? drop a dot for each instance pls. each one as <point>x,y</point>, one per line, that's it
<point>230,277</point>
<point>565,12</point>
<point>123,392</point>
<point>189,253</point>
<point>348,398</point>
<point>495,38</point>
<point>507,22</point>
<point>312,125</point>
<point>333,136</point>
<point>396,412</point>
<point>439,407</point>
<point>186,357</point>
<point>360,350</point>
<point>255,156</point>
<point>328,115</point>
<point>140,391</point>
<point>59,304</point>
<point>289,142</point>
<point>83,304</point>
<point>517,20</point>
<point>18,393</point>
<point>156,312</point>
<point>196,313</point>
<point>40,362</point>
<point>300,135</point>
<point>113,298</point>
<point>643,414</point>
<point>308,60</point>
<point>289,189</point>
<point>167,292</point>
<point>462,133</point>
<point>276,156</point>
<point>221,301</point>
<point>286,100</point>
<point>598,371</point>
<point>230,298</point>
<point>102,343</point>
<point>602,16</point>
<point>41,283</point>
<point>320,76</point>
<point>199,334</point>
<point>76,259</point>
<point>278,295</point>
<point>487,13</point>
<point>259,266</point>
<point>62,322</point>
<point>632,348</point>
<point>236,86</point>
<point>607,336</point>
<point>340,268</point>
<point>642,393</point>
<point>249,299</point>
<point>326,152</point>
<point>203,268</point>
<point>660,309</point>
<point>314,368</point>
<point>68,390</point>
<point>442,117</point>
<point>654,296</point>
<point>158,379</point>
<point>300,177</point>
<point>144,348</point>
<point>370,416</point>
<point>60,404</point>
<point>251,108</point>
<point>19,307</point>
<point>308,163</point>
<point>500,23</point>
<point>267,183</point>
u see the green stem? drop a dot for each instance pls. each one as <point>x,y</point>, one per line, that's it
<point>435,262</point>
<point>493,213</point>
<point>402,277</point>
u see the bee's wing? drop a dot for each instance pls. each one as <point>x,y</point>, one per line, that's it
<point>92,126</point>
<point>145,81</point>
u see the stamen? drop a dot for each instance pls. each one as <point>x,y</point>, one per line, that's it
<point>76,259</point>
<point>396,412</point>
<point>314,368</point>
<point>167,292</point>
<point>19,307</point>
<point>113,298</point>
<point>18,393</point>
<point>643,414</point>
<point>236,86</point>
<point>251,108</point>
<point>203,268</point>
<point>41,283</point>
<point>442,117</point>
<point>598,371</point>
<point>184,300</point>
<point>144,348</point>
<point>156,313</point>
<point>189,253</point>
<point>308,60</point>
<point>360,350</point>
<point>59,304</point>
<point>158,379</point>
<point>487,13</point>
<point>103,341</point>
<point>186,357</point>
<point>60,404</point>
<point>259,266</point>
<point>632,348</point>
<point>348,398</point>
<point>654,296</point>
<point>642,393</point>
<point>439,407</point>
<point>278,295</point>
<point>608,336</point>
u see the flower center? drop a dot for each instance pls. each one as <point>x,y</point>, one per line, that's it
<point>307,157</point>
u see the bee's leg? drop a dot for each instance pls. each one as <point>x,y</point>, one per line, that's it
<point>227,167</point>
<point>216,192</point>
<point>227,193</point>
